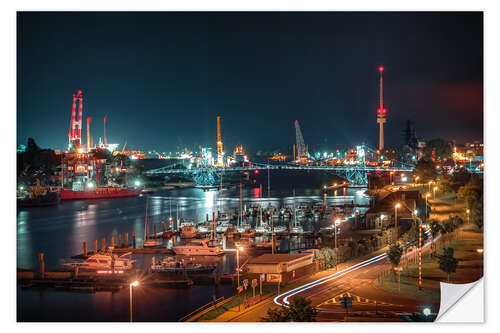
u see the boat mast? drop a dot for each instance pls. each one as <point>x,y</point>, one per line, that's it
<point>241,198</point>
<point>146,220</point>
<point>294,210</point>
<point>268,181</point>
<point>177,212</point>
<point>272,232</point>
<point>260,209</point>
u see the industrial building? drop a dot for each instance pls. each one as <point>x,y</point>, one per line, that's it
<point>282,267</point>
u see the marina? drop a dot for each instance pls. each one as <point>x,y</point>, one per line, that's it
<point>119,224</point>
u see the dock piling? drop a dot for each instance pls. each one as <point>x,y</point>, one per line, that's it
<point>95,246</point>
<point>119,240</point>
<point>85,249</point>
<point>103,244</point>
<point>133,239</point>
<point>154,230</point>
<point>42,265</point>
<point>112,241</point>
<point>126,239</point>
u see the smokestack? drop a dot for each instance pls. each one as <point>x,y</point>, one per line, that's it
<point>105,139</point>
<point>79,122</point>
<point>89,139</point>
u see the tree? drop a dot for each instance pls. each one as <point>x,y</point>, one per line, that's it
<point>326,258</point>
<point>440,148</point>
<point>435,229</point>
<point>425,170</point>
<point>376,183</point>
<point>300,310</point>
<point>354,246</point>
<point>470,194</point>
<point>394,254</point>
<point>447,263</point>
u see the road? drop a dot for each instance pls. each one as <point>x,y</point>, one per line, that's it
<point>355,279</point>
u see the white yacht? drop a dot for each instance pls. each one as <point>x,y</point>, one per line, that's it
<point>243,227</point>
<point>204,229</point>
<point>188,230</point>
<point>222,227</point>
<point>224,218</point>
<point>101,261</point>
<point>297,230</point>
<point>263,229</point>
<point>201,247</point>
<point>280,229</point>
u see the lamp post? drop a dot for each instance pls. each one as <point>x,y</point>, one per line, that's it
<point>480,251</point>
<point>396,218</point>
<point>427,195</point>
<point>335,226</point>
<point>133,284</point>
<point>468,215</point>
<point>238,249</point>
<point>415,212</point>
<point>430,182</point>
<point>434,189</point>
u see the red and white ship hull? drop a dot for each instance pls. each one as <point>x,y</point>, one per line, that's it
<point>99,193</point>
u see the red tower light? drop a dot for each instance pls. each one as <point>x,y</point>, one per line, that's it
<point>381,69</point>
<point>256,171</point>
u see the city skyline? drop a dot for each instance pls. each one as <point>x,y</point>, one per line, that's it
<point>258,71</point>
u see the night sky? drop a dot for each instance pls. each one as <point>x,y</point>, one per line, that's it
<point>162,78</point>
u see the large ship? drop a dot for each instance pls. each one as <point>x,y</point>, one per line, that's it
<point>99,193</point>
<point>88,171</point>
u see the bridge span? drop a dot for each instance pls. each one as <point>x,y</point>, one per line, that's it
<point>355,174</point>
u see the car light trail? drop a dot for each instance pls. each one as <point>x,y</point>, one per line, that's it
<point>335,275</point>
<point>319,281</point>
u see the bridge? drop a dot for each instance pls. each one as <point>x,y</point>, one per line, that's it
<point>355,174</point>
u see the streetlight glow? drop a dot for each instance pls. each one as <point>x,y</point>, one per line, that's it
<point>397,205</point>
<point>427,311</point>
<point>133,284</point>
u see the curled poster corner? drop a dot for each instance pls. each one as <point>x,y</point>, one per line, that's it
<point>464,300</point>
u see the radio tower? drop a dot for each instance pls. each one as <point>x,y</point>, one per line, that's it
<point>220,153</point>
<point>301,148</point>
<point>381,120</point>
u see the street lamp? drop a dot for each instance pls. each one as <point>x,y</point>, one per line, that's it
<point>133,284</point>
<point>430,182</point>
<point>468,215</point>
<point>426,312</point>
<point>336,225</point>
<point>480,251</point>
<point>238,249</point>
<point>396,218</point>
<point>434,189</point>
